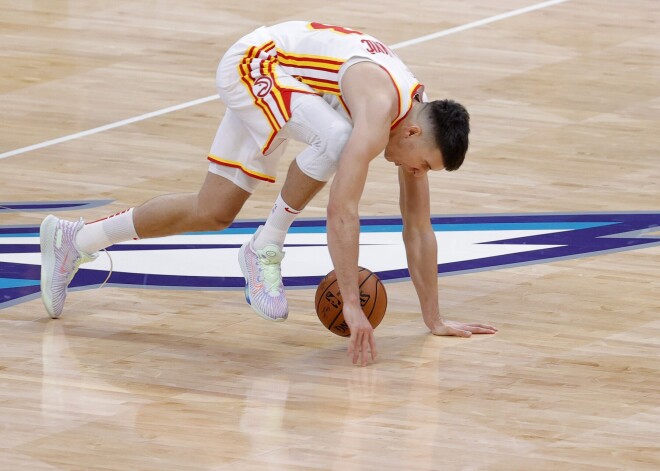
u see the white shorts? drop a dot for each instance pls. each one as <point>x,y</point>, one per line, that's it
<point>265,107</point>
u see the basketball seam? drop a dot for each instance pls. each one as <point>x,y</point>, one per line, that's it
<point>373,305</point>
<point>377,296</point>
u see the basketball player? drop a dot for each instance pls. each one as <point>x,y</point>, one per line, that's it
<point>349,98</point>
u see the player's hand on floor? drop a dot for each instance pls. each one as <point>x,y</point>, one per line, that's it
<point>460,329</point>
<point>362,341</point>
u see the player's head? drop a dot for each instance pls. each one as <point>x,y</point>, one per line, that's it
<point>433,137</point>
<point>450,122</point>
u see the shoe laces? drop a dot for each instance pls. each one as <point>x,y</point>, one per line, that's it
<point>270,271</point>
<point>81,257</point>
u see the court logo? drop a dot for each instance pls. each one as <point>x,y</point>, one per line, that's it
<point>209,260</point>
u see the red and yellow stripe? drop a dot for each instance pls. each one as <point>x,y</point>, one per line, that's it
<point>240,166</point>
<point>413,91</point>
<point>306,61</point>
<point>334,28</point>
<point>245,71</point>
<point>321,85</point>
<point>280,96</point>
<point>282,99</point>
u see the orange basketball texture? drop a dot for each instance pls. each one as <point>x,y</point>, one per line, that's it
<point>329,304</point>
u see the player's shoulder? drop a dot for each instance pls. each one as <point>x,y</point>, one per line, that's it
<point>370,77</point>
<point>369,92</point>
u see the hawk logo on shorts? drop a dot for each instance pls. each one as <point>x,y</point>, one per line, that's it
<point>209,260</point>
<point>262,86</point>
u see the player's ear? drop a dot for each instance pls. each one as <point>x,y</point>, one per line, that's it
<point>413,130</point>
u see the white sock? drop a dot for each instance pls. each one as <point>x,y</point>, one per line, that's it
<point>103,233</point>
<point>277,225</point>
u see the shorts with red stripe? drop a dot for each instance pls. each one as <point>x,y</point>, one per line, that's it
<point>248,143</point>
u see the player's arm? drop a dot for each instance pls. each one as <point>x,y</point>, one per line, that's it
<point>371,98</point>
<point>420,242</point>
<point>422,254</point>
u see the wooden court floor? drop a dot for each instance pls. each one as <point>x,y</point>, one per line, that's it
<point>565,109</point>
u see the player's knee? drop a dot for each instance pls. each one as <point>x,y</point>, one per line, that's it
<point>213,218</point>
<point>321,160</point>
<point>336,138</point>
<point>219,222</point>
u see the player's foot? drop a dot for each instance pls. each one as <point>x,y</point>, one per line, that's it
<point>264,290</point>
<point>60,259</point>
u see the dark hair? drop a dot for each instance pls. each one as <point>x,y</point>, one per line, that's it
<point>451,126</point>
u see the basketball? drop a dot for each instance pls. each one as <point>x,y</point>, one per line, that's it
<point>329,305</point>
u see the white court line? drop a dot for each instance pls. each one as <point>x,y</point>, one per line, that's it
<point>153,114</point>
<point>106,127</point>
<point>474,24</point>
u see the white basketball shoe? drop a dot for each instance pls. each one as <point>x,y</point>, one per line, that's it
<point>264,290</point>
<point>60,259</point>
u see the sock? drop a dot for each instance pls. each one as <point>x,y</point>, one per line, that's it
<point>277,225</point>
<point>105,232</point>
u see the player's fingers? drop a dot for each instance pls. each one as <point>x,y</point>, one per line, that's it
<point>482,330</point>
<point>357,348</point>
<point>483,326</point>
<point>365,349</point>
<point>372,345</point>
<point>460,332</point>
<point>351,347</point>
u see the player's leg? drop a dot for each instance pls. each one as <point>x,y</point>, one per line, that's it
<point>317,124</point>
<point>213,208</point>
<point>271,110</point>
<point>65,245</point>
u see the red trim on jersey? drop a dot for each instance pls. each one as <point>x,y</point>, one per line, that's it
<point>308,67</point>
<point>337,29</point>
<point>343,103</point>
<point>290,56</point>
<point>245,73</point>
<point>321,88</point>
<point>269,142</point>
<point>286,97</point>
<point>317,79</point>
<point>266,69</point>
<point>276,90</point>
<point>412,98</point>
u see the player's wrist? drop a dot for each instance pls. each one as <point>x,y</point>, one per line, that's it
<point>431,311</point>
<point>353,313</point>
<point>433,321</point>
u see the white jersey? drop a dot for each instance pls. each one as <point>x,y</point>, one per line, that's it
<point>318,54</point>
<point>267,70</point>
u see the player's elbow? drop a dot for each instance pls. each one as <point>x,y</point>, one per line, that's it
<point>417,231</point>
<point>340,213</point>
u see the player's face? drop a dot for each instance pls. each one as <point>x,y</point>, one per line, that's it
<point>415,156</point>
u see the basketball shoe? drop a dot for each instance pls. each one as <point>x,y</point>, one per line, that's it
<point>60,259</point>
<point>264,290</point>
